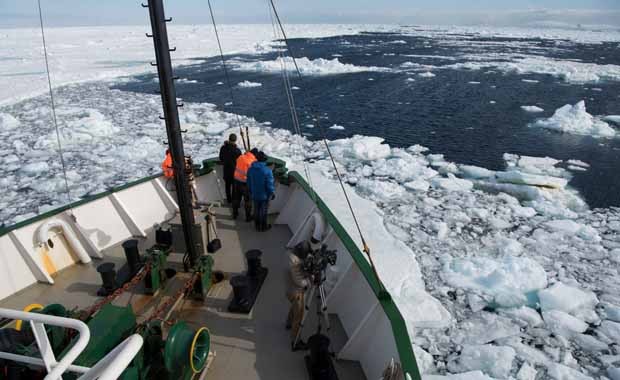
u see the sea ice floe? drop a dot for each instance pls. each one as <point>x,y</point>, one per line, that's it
<point>318,66</point>
<point>337,127</point>
<point>427,74</point>
<point>508,279</point>
<point>615,119</point>
<point>576,120</point>
<point>532,109</point>
<point>569,299</point>
<point>495,361</point>
<point>8,122</point>
<point>248,84</point>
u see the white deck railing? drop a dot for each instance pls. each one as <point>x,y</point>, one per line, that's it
<point>108,368</point>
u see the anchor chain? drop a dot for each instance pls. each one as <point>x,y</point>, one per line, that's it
<point>158,314</point>
<point>128,285</point>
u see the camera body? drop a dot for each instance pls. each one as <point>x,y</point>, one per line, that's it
<point>316,262</point>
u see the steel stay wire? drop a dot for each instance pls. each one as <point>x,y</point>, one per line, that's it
<point>53,108</point>
<point>366,248</point>
<point>246,144</point>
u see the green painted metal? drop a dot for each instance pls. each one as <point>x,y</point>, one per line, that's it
<point>186,351</point>
<point>156,278</point>
<point>108,328</point>
<point>202,285</point>
<point>399,328</point>
<point>56,334</point>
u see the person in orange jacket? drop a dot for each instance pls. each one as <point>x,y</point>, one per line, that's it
<point>166,166</point>
<point>240,189</point>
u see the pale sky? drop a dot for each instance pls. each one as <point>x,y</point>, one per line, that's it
<point>461,12</point>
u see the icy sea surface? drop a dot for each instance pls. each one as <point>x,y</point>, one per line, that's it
<point>469,110</point>
<point>482,163</point>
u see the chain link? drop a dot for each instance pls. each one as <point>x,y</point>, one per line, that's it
<point>128,285</point>
<point>158,314</point>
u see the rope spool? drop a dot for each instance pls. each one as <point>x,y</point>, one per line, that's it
<point>186,347</point>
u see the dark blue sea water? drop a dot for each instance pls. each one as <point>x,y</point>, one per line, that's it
<point>445,113</point>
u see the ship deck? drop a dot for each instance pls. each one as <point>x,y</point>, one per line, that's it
<point>253,346</point>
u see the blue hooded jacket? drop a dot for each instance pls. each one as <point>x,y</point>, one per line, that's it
<point>260,181</point>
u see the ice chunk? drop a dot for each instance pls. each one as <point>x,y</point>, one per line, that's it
<point>495,361</point>
<point>417,185</point>
<point>485,328</point>
<point>8,122</point>
<point>610,330</point>
<point>508,278</point>
<point>576,120</point>
<point>319,66</point>
<point>35,168</point>
<point>570,227</point>
<point>566,298</point>
<point>451,183</point>
<point>427,74</point>
<point>563,323</point>
<point>589,343</point>
<point>360,148</point>
<point>410,80</point>
<point>337,127</point>
<point>521,178</point>
<point>529,80</point>
<point>532,109</point>
<point>612,119</point>
<point>247,84</point>
<point>525,314</point>
<point>612,312</point>
<point>425,361</point>
<point>473,375</point>
<point>473,82</point>
<point>578,163</point>
<point>379,190</point>
<point>561,372</point>
<point>526,372</point>
<point>475,172</point>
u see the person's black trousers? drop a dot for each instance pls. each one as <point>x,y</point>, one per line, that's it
<point>228,186</point>
<point>241,192</point>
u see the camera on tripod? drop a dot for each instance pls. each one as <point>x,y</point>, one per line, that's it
<point>316,262</point>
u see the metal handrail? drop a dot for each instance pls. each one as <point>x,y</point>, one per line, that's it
<point>108,368</point>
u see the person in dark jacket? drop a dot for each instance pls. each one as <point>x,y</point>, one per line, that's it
<point>262,189</point>
<point>229,152</point>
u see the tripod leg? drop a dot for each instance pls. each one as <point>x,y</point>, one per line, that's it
<point>324,312</point>
<point>307,305</point>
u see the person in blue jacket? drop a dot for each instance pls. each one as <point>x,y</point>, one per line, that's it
<point>262,190</point>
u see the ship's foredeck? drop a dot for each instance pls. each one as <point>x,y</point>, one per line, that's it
<point>253,346</point>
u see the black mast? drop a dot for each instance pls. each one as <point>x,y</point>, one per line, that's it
<point>173,128</point>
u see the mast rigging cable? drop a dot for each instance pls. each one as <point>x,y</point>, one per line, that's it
<point>366,248</point>
<point>246,144</point>
<point>53,107</point>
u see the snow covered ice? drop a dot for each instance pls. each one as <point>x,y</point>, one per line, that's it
<point>318,66</point>
<point>576,120</point>
<point>248,84</point>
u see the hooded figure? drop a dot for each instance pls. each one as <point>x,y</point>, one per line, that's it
<point>229,152</point>
<point>261,185</point>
